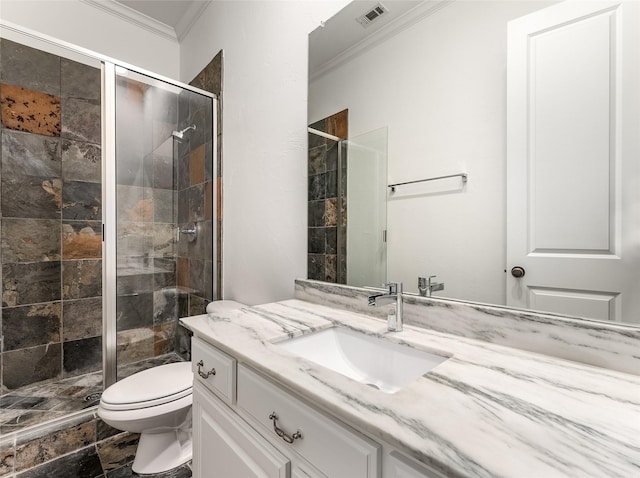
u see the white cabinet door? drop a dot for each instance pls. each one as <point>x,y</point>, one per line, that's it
<point>399,466</point>
<point>225,446</point>
<point>573,116</point>
<point>303,471</point>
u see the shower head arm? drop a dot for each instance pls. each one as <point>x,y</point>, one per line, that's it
<point>180,134</point>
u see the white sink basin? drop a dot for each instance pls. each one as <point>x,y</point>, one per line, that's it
<point>381,364</point>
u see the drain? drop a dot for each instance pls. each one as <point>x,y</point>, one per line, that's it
<point>92,397</point>
<point>373,385</point>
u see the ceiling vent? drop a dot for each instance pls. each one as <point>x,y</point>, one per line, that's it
<point>372,15</point>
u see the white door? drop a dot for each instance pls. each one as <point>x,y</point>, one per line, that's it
<point>573,155</point>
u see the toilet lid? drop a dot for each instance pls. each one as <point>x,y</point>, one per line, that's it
<point>151,387</point>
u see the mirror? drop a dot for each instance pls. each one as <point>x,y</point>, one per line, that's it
<point>435,75</point>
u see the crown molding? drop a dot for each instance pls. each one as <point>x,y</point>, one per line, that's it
<point>410,18</point>
<point>135,17</point>
<point>191,16</point>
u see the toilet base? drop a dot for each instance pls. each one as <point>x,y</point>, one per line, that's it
<point>160,452</point>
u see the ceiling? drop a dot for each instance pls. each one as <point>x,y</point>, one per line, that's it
<point>169,12</point>
<point>172,18</point>
<point>343,37</point>
<point>343,31</point>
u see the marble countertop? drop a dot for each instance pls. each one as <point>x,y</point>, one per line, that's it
<point>487,411</point>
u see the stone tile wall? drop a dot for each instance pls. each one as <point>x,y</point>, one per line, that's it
<point>200,179</point>
<point>50,225</point>
<point>323,261</point>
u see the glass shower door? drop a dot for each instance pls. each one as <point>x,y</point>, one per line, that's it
<point>163,216</point>
<point>366,193</point>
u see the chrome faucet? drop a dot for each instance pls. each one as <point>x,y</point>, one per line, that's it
<point>394,293</point>
<point>426,287</point>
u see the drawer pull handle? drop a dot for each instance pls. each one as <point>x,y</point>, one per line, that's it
<point>205,375</point>
<point>280,432</point>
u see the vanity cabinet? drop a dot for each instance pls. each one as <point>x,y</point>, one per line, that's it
<point>332,448</point>
<point>247,426</point>
<point>225,446</point>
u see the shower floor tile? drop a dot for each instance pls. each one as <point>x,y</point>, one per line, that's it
<point>36,404</point>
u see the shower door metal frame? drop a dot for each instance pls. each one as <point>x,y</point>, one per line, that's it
<point>109,189</point>
<point>109,234</point>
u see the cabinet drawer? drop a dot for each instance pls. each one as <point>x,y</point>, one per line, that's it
<point>331,447</point>
<point>223,383</point>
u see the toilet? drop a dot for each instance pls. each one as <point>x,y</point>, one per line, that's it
<point>223,306</point>
<point>157,404</point>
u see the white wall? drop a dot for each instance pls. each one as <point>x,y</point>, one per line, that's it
<point>440,87</point>
<point>264,137</point>
<point>79,23</point>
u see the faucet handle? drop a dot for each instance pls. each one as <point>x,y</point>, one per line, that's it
<point>394,287</point>
<point>425,286</point>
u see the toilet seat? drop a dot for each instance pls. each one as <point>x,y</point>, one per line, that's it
<point>150,388</point>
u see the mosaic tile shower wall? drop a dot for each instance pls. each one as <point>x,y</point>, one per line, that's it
<point>323,261</point>
<point>50,194</point>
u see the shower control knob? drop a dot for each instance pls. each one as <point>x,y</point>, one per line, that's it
<point>518,272</point>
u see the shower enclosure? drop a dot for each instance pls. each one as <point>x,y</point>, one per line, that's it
<point>107,204</point>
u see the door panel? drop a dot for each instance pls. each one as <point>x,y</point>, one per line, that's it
<point>597,305</point>
<point>570,156</point>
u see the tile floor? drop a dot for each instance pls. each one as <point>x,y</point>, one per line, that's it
<point>36,404</point>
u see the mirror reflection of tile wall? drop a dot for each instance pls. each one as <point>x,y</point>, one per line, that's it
<point>324,261</point>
